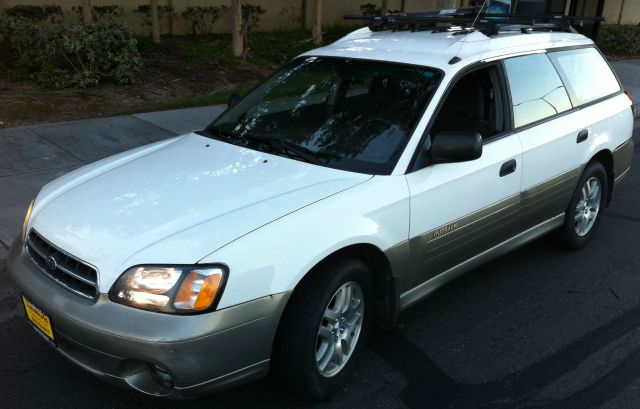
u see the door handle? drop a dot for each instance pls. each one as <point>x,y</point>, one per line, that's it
<point>583,135</point>
<point>508,168</point>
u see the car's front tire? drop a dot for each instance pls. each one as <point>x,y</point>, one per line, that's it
<point>323,328</point>
<point>586,207</point>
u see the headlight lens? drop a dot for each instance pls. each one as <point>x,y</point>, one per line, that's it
<point>25,224</point>
<point>171,289</point>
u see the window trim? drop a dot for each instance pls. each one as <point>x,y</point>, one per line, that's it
<point>570,90</point>
<point>575,108</point>
<point>542,120</point>
<point>410,134</point>
<point>511,129</point>
<point>506,98</point>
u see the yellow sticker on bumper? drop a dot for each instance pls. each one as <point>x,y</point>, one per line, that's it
<point>38,318</point>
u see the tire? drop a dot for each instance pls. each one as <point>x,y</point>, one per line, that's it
<point>299,339</point>
<point>582,218</point>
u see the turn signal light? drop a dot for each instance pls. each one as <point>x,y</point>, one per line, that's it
<point>197,291</point>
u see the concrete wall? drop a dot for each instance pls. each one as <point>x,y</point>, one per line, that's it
<point>622,11</point>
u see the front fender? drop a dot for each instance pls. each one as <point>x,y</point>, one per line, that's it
<point>274,258</point>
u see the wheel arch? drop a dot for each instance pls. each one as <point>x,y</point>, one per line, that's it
<point>385,283</point>
<point>605,157</point>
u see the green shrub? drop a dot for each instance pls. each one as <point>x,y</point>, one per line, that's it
<point>202,19</point>
<point>292,14</point>
<point>620,39</point>
<point>251,14</point>
<point>76,55</point>
<point>145,12</point>
<point>99,13</point>
<point>370,10</point>
<point>40,13</point>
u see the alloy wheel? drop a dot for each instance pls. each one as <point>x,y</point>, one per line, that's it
<point>340,329</point>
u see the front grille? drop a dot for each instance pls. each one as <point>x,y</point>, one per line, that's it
<point>66,270</point>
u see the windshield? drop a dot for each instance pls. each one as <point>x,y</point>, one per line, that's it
<point>347,114</point>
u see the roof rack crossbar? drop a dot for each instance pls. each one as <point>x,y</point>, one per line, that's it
<point>466,19</point>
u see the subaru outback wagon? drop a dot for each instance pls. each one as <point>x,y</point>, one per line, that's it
<point>352,183</point>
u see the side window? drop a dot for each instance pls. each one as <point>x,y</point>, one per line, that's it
<point>586,73</point>
<point>537,92</point>
<point>473,105</point>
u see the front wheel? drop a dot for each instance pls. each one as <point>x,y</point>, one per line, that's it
<point>585,209</point>
<point>325,324</point>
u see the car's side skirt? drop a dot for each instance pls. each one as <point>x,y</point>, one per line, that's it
<point>414,295</point>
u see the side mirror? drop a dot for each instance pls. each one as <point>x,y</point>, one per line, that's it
<point>450,147</point>
<point>234,99</point>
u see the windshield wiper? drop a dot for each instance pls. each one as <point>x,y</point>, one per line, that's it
<point>217,132</point>
<point>285,147</point>
<point>276,145</point>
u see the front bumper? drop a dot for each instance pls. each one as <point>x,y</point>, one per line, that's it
<point>200,353</point>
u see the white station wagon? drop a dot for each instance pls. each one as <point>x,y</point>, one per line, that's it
<point>352,183</point>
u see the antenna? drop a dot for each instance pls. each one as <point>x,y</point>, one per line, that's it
<point>478,15</point>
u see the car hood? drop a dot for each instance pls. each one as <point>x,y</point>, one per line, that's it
<point>175,202</point>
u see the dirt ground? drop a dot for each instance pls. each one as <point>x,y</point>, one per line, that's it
<point>165,79</point>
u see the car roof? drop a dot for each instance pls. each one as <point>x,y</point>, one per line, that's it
<point>437,49</point>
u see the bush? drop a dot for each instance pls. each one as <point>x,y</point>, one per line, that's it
<point>100,13</point>
<point>79,55</point>
<point>250,16</point>
<point>292,14</point>
<point>40,14</point>
<point>370,10</point>
<point>620,39</point>
<point>202,19</point>
<point>145,12</point>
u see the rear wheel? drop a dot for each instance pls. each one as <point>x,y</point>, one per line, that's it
<point>585,209</point>
<point>325,324</point>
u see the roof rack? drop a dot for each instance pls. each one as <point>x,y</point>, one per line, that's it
<point>468,19</point>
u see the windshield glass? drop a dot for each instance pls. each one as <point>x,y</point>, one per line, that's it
<point>347,114</point>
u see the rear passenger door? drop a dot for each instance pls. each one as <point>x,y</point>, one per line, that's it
<point>548,94</point>
<point>543,120</point>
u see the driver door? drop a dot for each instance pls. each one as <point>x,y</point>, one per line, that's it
<point>459,210</point>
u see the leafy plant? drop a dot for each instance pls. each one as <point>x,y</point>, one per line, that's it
<point>621,40</point>
<point>292,13</point>
<point>42,13</point>
<point>100,13</point>
<point>251,14</point>
<point>370,9</point>
<point>79,55</point>
<point>202,19</point>
<point>145,12</point>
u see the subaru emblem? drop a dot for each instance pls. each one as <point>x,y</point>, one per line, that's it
<point>52,264</point>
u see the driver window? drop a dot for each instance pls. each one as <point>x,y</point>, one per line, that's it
<point>473,105</point>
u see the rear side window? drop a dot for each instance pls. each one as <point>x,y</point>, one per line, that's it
<point>537,92</point>
<point>586,74</point>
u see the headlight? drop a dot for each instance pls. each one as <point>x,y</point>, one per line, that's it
<point>171,289</point>
<point>25,224</point>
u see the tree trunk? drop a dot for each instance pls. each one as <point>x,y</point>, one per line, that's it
<point>621,11</point>
<point>316,22</point>
<point>87,16</point>
<point>236,29</point>
<point>384,8</point>
<point>303,14</point>
<point>155,21</point>
<point>172,20</point>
